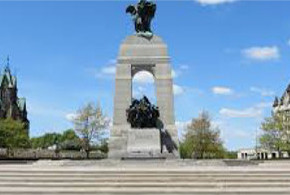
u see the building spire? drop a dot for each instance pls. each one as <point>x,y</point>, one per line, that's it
<point>276,102</point>
<point>7,66</point>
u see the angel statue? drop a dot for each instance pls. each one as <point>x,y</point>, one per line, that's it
<point>142,15</point>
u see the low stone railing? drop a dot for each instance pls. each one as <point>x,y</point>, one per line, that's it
<point>35,154</point>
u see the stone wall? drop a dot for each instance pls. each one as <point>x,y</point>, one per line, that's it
<point>34,154</point>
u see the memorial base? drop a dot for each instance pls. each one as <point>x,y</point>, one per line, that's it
<point>127,143</point>
<point>143,143</point>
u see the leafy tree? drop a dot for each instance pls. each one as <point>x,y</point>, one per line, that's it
<point>47,140</point>
<point>90,123</point>
<point>202,140</point>
<point>71,145</point>
<point>13,134</point>
<point>275,133</point>
<point>231,155</point>
<point>68,140</point>
<point>69,135</point>
<point>103,146</point>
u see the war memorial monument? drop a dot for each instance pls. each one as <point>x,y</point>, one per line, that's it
<point>143,154</point>
<point>139,52</point>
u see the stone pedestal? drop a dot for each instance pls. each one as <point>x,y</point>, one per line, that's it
<point>138,54</point>
<point>143,143</point>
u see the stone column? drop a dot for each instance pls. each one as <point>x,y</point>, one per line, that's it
<point>165,101</point>
<point>123,93</point>
<point>164,93</point>
<point>122,100</point>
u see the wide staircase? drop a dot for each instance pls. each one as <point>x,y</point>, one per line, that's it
<point>143,179</point>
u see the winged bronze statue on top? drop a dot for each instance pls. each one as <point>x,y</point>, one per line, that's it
<point>142,15</point>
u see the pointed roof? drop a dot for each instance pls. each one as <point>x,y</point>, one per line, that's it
<point>288,89</point>
<point>276,102</point>
<point>6,73</point>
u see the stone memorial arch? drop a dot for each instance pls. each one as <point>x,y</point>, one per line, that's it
<point>139,52</point>
<point>136,54</point>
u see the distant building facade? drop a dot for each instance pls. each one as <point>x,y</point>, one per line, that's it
<point>10,105</point>
<point>280,106</point>
<point>259,153</point>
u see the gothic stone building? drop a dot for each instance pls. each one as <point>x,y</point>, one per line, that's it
<point>282,104</point>
<point>10,105</point>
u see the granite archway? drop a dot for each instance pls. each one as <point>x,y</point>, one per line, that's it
<point>139,54</point>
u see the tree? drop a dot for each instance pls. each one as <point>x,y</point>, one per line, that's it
<point>47,140</point>
<point>202,140</point>
<point>69,135</point>
<point>13,134</point>
<point>102,146</point>
<point>275,133</point>
<point>68,140</point>
<point>90,124</point>
<point>231,155</point>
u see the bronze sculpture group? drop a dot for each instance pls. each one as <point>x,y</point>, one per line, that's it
<point>142,114</point>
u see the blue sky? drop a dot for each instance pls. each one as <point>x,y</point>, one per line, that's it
<point>229,57</point>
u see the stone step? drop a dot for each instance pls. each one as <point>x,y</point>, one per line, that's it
<point>141,191</point>
<point>171,184</point>
<point>144,171</point>
<point>134,175</point>
<point>140,180</point>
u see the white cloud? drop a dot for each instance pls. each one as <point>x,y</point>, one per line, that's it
<point>139,90</point>
<point>111,70</point>
<point>143,77</point>
<point>252,112</point>
<point>245,113</point>
<point>219,90</point>
<point>106,71</point>
<point>214,2</point>
<point>177,90</point>
<point>237,134</point>
<point>184,67</point>
<point>70,116</point>
<point>264,105</point>
<point>262,91</point>
<point>179,70</point>
<point>112,61</point>
<point>43,109</point>
<point>217,123</point>
<point>173,73</point>
<point>262,53</point>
